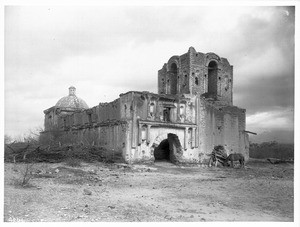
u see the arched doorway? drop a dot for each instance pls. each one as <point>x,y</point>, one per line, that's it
<point>212,78</point>
<point>173,78</point>
<point>167,147</point>
<point>162,151</point>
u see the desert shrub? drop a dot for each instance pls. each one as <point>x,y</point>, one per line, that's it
<point>57,137</point>
<point>16,152</point>
<point>26,176</point>
<point>56,147</point>
<point>271,150</point>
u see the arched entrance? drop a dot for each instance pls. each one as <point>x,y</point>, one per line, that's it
<point>162,151</point>
<point>213,78</point>
<point>167,147</point>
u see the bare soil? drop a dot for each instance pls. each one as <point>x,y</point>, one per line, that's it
<point>158,192</point>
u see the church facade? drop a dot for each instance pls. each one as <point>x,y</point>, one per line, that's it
<point>191,113</point>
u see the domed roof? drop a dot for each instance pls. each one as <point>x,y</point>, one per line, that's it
<point>72,101</point>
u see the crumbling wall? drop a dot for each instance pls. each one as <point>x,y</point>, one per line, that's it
<point>221,80</point>
<point>162,80</point>
<point>109,111</point>
<point>50,120</point>
<point>149,106</point>
<point>78,121</point>
<point>104,112</point>
<point>112,136</point>
<point>109,136</point>
<point>222,125</point>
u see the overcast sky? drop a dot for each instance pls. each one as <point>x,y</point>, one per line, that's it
<point>107,50</point>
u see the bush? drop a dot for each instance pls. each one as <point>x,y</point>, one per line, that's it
<point>26,175</point>
<point>57,146</point>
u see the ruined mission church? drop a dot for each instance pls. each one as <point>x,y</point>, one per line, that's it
<point>192,113</point>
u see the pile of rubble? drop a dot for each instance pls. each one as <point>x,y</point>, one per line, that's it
<point>218,154</point>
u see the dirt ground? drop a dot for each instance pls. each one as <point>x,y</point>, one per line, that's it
<point>159,192</point>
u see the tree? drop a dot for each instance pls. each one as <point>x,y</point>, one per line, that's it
<point>7,139</point>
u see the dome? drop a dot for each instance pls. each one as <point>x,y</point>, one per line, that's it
<point>72,101</point>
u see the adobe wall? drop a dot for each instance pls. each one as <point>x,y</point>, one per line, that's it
<point>110,136</point>
<point>51,119</point>
<point>144,151</point>
<point>146,126</point>
<point>100,125</point>
<point>109,111</point>
<point>222,125</point>
<point>121,126</point>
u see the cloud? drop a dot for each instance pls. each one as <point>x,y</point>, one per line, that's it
<point>280,119</point>
<point>108,50</point>
<point>265,93</point>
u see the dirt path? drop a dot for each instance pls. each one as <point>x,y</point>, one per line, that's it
<point>159,192</point>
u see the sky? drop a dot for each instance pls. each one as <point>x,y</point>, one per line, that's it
<point>107,50</point>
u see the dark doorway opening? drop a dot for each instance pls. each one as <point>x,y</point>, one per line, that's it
<point>162,151</point>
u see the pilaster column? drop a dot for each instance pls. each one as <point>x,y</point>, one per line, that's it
<point>148,133</point>
<point>193,137</point>
<point>140,134</point>
<point>185,138</point>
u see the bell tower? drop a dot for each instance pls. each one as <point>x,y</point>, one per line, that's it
<point>197,73</point>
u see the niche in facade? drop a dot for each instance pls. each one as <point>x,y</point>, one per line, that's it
<point>151,109</point>
<point>182,112</point>
<point>144,133</point>
<point>166,114</point>
<point>196,81</point>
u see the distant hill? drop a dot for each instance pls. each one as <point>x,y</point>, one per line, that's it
<point>271,150</point>
<point>280,136</point>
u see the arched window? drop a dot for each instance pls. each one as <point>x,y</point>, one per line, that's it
<point>173,78</point>
<point>226,83</point>
<point>212,77</point>
<point>196,81</point>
